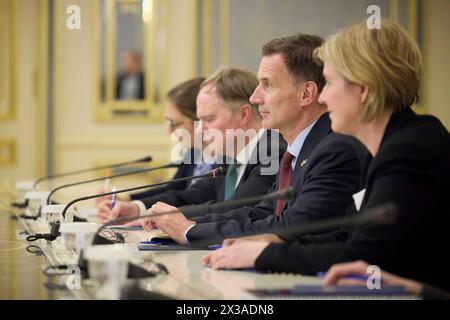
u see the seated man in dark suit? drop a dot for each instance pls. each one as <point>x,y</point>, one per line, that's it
<point>224,110</point>
<point>130,81</point>
<point>325,168</point>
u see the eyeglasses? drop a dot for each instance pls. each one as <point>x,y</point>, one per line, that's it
<point>174,125</point>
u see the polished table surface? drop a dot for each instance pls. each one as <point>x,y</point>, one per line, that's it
<point>22,277</point>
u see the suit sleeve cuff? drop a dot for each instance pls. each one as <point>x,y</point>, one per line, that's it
<point>141,206</point>
<point>186,233</point>
<point>265,261</point>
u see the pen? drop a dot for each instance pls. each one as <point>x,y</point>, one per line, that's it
<point>215,246</point>
<point>113,200</point>
<point>350,276</point>
<point>150,242</point>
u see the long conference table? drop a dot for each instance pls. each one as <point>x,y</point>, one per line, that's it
<point>22,266</point>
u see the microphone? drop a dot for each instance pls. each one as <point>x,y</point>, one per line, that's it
<point>288,193</point>
<point>134,291</point>
<point>167,166</point>
<point>383,214</point>
<point>134,271</point>
<point>59,175</point>
<point>380,215</point>
<point>218,172</point>
<point>221,171</point>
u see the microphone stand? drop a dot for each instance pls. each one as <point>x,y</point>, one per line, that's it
<point>58,175</point>
<point>167,166</point>
<point>55,227</point>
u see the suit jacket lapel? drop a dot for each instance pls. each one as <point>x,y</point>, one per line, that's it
<point>264,144</point>
<point>397,120</point>
<point>320,129</point>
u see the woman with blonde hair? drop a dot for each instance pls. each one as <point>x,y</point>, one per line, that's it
<point>372,80</point>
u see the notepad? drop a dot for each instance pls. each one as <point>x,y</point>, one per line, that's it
<point>124,227</point>
<point>168,247</point>
<point>318,292</point>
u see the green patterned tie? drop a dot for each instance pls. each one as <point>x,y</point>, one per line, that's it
<point>230,180</point>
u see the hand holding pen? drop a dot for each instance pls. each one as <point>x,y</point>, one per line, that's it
<point>113,214</point>
<point>113,200</point>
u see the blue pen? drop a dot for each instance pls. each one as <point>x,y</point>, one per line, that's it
<point>150,242</point>
<point>215,246</point>
<point>350,276</point>
<point>113,200</point>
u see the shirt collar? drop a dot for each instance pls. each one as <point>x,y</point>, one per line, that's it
<point>297,145</point>
<point>244,155</point>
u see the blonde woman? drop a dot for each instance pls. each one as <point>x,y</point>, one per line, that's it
<point>372,80</point>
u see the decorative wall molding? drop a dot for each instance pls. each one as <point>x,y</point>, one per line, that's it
<point>7,152</point>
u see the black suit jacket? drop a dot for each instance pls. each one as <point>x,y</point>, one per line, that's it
<point>185,170</point>
<point>141,83</point>
<point>327,173</point>
<point>252,183</point>
<point>410,169</point>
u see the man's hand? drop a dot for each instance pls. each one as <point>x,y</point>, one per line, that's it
<point>240,254</point>
<point>121,210</point>
<point>337,275</point>
<point>265,237</point>
<point>174,223</point>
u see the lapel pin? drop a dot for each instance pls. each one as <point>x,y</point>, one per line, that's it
<point>303,162</point>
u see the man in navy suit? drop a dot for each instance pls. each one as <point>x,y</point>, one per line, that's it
<point>325,168</point>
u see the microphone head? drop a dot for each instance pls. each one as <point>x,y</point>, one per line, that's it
<point>218,172</point>
<point>145,159</point>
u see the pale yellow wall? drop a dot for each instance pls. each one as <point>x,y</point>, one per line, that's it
<point>438,57</point>
<point>82,142</point>
<point>182,38</point>
<point>24,128</point>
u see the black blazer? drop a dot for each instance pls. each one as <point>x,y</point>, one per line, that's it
<point>185,170</point>
<point>327,173</point>
<point>252,183</point>
<point>412,170</point>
